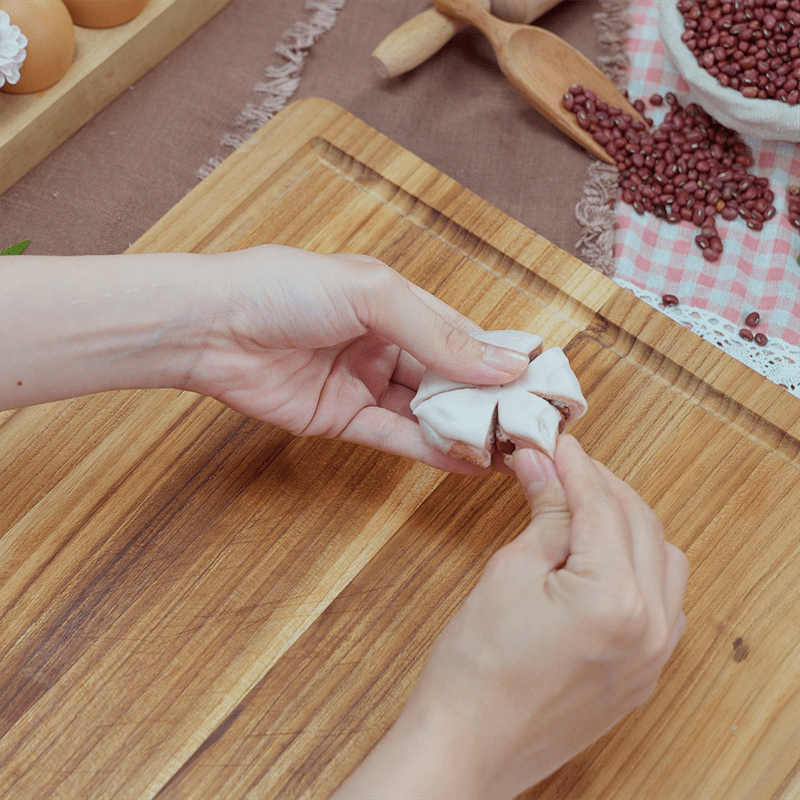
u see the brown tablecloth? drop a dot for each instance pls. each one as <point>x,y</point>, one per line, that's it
<point>122,171</point>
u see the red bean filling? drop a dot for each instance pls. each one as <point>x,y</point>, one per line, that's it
<point>690,169</point>
<point>793,205</point>
<point>752,46</point>
<point>563,410</point>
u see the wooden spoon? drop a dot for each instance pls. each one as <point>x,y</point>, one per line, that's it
<point>541,67</point>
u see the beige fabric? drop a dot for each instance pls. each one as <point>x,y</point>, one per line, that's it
<point>118,175</point>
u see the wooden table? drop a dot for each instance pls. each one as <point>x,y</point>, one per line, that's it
<point>199,605</point>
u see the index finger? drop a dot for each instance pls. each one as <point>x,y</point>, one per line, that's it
<point>409,370</point>
<point>408,317</point>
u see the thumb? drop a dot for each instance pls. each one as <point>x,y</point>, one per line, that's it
<point>548,532</point>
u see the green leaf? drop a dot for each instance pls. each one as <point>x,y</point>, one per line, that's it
<point>15,249</point>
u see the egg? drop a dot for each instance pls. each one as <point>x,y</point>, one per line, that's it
<point>51,43</point>
<point>103,13</point>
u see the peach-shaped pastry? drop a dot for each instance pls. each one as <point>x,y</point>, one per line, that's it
<point>469,422</point>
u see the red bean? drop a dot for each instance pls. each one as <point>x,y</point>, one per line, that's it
<point>760,339</point>
<point>793,205</point>
<point>601,137</point>
<point>669,300</point>
<point>747,334</point>
<point>752,319</point>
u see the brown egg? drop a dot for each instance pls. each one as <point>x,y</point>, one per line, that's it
<point>103,13</point>
<point>51,43</point>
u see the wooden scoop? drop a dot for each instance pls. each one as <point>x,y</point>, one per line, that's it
<point>416,40</point>
<point>541,67</point>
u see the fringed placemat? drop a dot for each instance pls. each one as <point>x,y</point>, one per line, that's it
<point>282,79</point>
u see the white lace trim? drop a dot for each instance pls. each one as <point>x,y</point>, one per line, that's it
<point>282,81</point>
<point>778,361</point>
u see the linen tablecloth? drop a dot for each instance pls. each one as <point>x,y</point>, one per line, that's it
<point>126,168</point>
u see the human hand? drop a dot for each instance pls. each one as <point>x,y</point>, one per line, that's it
<point>335,346</point>
<point>318,345</point>
<point>566,632</point>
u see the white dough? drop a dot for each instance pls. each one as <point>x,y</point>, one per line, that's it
<point>468,421</point>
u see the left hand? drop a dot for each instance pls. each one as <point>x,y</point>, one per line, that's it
<point>335,346</point>
<point>318,345</point>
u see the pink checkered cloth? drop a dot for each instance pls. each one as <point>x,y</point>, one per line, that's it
<point>757,270</point>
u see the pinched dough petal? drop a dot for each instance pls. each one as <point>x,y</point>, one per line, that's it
<point>550,376</point>
<point>521,341</point>
<point>461,423</point>
<point>432,385</point>
<point>527,421</point>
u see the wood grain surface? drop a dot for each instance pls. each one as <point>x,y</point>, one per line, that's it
<point>197,605</point>
<point>107,61</point>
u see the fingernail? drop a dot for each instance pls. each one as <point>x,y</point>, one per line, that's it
<point>531,469</point>
<point>504,359</point>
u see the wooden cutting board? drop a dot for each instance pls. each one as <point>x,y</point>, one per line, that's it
<point>197,605</point>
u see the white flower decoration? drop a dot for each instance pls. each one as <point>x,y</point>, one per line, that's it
<point>469,422</point>
<point>12,49</point>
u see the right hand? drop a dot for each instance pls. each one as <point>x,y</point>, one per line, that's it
<point>566,631</point>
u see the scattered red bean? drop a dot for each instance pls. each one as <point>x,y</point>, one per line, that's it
<point>656,99</point>
<point>793,205</point>
<point>690,169</point>
<point>752,46</point>
<point>747,334</point>
<point>752,319</point>
<point>669,300</point>
<point>760,339</point>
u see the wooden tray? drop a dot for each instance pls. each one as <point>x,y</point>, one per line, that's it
<point>197,605</point>
<point>107,61</point>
